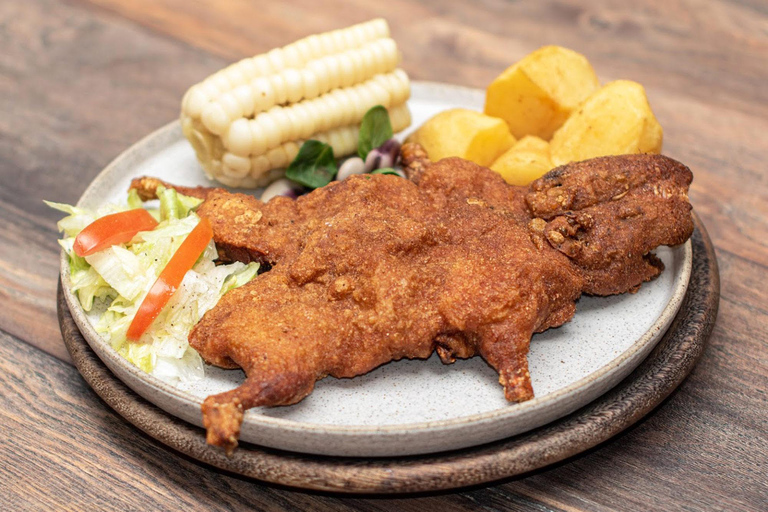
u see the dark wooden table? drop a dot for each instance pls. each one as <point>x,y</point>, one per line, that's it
<point>82,80</point>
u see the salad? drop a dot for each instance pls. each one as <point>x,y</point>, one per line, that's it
<point>147,276</point>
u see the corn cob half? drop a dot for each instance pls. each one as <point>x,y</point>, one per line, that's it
<point>248,121</point>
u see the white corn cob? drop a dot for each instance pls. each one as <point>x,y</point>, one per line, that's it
<point>340,107</point>
<point>248,121</point>
<point>295,55</point>
<point>318,77</point>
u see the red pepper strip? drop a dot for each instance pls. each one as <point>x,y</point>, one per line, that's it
<point>113,229</point>
<point>170,278</point>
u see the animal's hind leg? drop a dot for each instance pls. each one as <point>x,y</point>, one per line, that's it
<point>505,347</point>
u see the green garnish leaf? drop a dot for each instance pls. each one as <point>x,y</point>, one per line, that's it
<point>375,130</point>
<point>314,166</point>
<point>385,170</point>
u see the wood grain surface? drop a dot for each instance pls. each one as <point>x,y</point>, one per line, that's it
<point>82,80</point>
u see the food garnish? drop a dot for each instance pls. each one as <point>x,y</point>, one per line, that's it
<point>111,284</point>
<point>383,156</point>
<point>375,130</point>
<point>170,278</point>
<point>314,166</point>
<point>388,170</point>
<point>112,229</point>
<point>248,121</point>
<point>282,187</point>
<point>351,166</point>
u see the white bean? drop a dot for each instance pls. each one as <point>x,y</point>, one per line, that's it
<point>354,165</point>
<point>281,187</point>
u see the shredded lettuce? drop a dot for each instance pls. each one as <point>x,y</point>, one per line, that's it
<point>118,279</point>
<point>174,205</point>
<point>122,270</point>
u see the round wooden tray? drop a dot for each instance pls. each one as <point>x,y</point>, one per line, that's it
<point>633,398</point>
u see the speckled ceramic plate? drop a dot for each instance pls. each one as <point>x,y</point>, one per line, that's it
<point>408,407</point>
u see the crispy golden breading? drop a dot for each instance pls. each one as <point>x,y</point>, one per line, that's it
<point>607,215</point>
<point>377,268</point>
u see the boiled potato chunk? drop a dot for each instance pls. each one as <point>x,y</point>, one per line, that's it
<point>616,120</point>
<point>464,133</point>
<point>532,143</point>
<point>536,95</point>
<point>527,160</point>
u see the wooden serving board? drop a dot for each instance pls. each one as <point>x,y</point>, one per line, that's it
<point>666,367</point>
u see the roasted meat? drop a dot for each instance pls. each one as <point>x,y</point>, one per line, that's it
<point>378,268</point>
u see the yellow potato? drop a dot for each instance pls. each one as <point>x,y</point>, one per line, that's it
<point>532,143</point>
<point>536,95</point>
<point>464,133</point>
<point>524,162</point>
<point>616,120</point>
